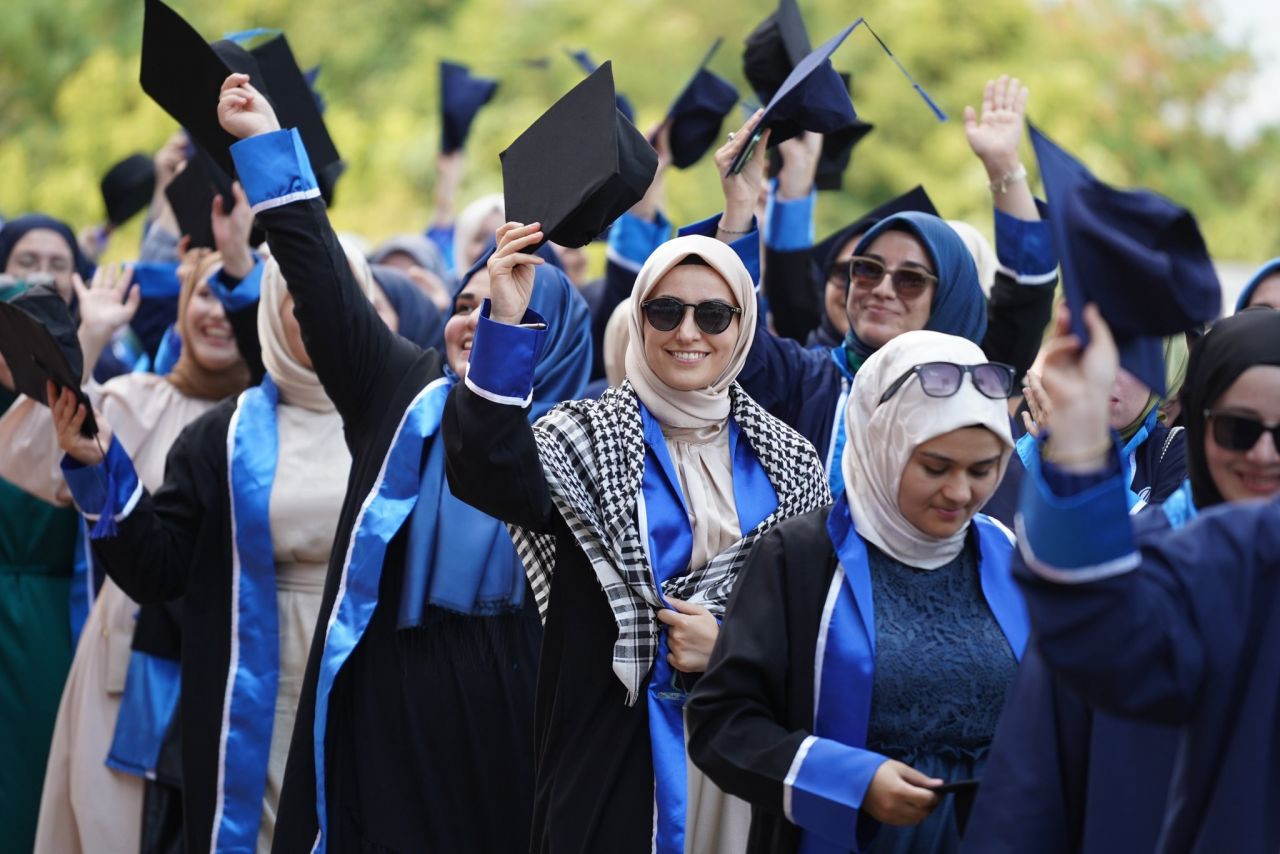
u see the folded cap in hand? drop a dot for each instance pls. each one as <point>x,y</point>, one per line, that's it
<point>39,344</point>
<point>776,46</point>
<point>461,97</point>
<point>588,66</point>
<point>127,188</point>
<point>698,113</point>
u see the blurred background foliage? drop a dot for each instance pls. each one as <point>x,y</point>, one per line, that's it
<point>1136,88</point>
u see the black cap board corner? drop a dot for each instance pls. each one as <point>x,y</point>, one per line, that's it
<point>579,166</point>
<point>775,47</point>
<point>127,188</point>
<point>39,344</point>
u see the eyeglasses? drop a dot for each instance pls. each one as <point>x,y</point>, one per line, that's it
<point>713,316</point>
<point>942,379</point>
<point>1239,432</point>
<point>866,273</point>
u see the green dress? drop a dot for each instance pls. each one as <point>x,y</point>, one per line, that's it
<point>37,545</point>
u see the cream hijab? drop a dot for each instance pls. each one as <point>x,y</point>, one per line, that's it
<point>882,438</point>
<point>706,406</point>
<point>298,384</point>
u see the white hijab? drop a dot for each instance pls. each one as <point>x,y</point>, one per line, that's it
<point>298,384</point>
<point>706,406</point>
<point>882,438</point>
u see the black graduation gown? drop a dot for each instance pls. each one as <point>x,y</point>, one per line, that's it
<point>428,743</point>
<point>594,770</point>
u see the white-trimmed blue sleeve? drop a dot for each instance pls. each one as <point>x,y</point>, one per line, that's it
<point>633,239</point>
<point>157,279</point>
<point>110,487</point>
<point>747,246</point>
<point>824,789</point>
<point>274,169</point>
<point>503,358</point>
<point>1024,250</point>
<point>1075,529</point>
<point>239,296</point>
<point>788,223</point>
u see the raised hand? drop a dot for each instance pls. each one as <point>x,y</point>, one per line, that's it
<point>691,635</point>
<point>231,232</point>
<point>900,795</point>
<point>105,306</point>
<point>741,190</point>
<point>799,164</point>
<point>169,159</point>
<point>994,135</point>
<point>243,111</point>
<point>68,417</point>
<point>511,271</point>
<point>1077,381</point>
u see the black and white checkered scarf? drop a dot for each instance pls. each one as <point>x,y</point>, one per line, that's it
<point>592,454</point>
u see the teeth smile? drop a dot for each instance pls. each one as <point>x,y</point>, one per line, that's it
<point>687,357</point>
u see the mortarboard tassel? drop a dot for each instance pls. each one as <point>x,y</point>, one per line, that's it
<point>937,111</point>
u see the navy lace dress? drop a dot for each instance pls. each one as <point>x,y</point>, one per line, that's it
<point>941,672</point>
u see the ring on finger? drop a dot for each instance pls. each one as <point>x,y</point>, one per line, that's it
<point>731,136</point>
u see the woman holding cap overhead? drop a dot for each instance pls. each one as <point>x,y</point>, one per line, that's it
<point>413,728</point>
<point>1078,780</point>
<point>867,651</point>
<point>1183,629</point>
<point>633,515</point>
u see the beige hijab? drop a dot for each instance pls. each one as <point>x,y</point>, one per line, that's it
<point>298,384</point>
<point>188,376</point>
<point>882,438</point>
<point>706,406</point>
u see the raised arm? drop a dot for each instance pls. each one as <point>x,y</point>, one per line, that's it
<point>357,358</point>
<point>794,301</point>
<point>238,284</point>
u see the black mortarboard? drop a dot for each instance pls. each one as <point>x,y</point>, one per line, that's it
<point>775,47</point>
<point>1135,253</point>
<point>38,341</point>
<point>698,112</point>
<point>837,150</point>
<point>915,199</point>
<point>588,66</point>
<point>127,188</point>
<point>190,194</point>
<point>461,97</point>
<point>579,167</point>
<point>184,75</point>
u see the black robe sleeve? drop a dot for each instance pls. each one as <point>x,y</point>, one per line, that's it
<point>1017,316</point>
<point>795,299</point>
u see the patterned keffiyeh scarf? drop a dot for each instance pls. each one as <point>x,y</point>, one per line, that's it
<point>592,454</point>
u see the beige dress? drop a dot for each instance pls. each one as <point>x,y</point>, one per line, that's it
<point>306,500</point>
<point>715,822</point>
<point>86,806</point>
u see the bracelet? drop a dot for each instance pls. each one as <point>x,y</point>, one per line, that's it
<point>1008,179</point>
<point>1089,455</point>
<point>720,227</point>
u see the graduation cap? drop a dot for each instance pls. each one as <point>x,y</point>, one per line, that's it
<point>1135,253</point>
<point>461,97</point>
<point>776,46</point>
<point>814,98</point>
<point>580,166</point>
<point>915,199</point>
<point>837,150</point>
<point>698,112</point>
<point>190,194</point>
<point>38,342</point>
<point>127,188</point>
<point>588,66</point>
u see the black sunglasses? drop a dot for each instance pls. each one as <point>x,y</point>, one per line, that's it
<point>713,316</point>
<point>866,273</point>
<point>1239,432</point>
<point>942,379</point>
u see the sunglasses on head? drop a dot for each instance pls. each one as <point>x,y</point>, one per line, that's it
<point>865,273</point>
<point>943,379</point>
<point>1234,432</point>
<point>713,316</point>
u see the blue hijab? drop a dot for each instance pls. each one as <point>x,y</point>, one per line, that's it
<point>420,320</point>
<point>15,229</point>
<point>480,573</point>
<point>1268,269</point>
<point>959,307</point>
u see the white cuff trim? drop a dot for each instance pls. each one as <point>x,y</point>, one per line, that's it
<point>499,398</point>
<point>793,772</point>
<point>621,260</point>
<point>1029,278</point>
<point>289,198</point>
<point>1083,575</point>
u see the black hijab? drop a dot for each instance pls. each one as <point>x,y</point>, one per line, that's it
<point>420,320</point>
<point>1227,350</point>
<point>15,229</point>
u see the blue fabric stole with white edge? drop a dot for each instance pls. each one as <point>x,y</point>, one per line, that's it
<point>829,776</point>
<point>665,522</point>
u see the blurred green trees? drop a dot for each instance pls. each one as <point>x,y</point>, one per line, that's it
<point>1131,86</point>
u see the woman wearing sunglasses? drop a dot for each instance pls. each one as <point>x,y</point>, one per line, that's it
<point>633,515</point>
<point>868,649</point>
<point>1084,781</point>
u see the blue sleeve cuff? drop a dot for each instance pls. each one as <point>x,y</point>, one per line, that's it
<point>111,487</point>
<point>632,239</point>
<point>824,789</point>
<point>788,223</point>
<point>503,358</point>
<point>239,296</point>
<point>1025,250</point>
<point>157,279</point>
<point>1056,508</point>
<point>442,237</point>
<point>747,246</point>
<point>274,169</point>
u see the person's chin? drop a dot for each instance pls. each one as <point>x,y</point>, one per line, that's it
<point>877,333</point>
<point>458,360</point>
